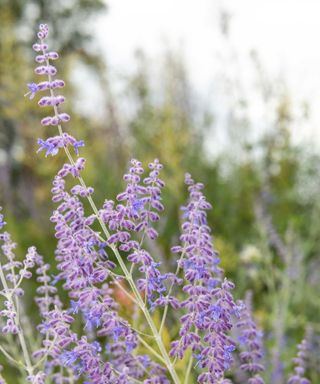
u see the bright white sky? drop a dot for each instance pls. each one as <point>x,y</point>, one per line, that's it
<point>285,33</point>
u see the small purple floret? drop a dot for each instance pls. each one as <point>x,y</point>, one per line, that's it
<point>33,88</point>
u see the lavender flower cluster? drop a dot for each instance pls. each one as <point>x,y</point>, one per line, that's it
<point>87,338</point>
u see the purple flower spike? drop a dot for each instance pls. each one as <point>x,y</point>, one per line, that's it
<point>209,305</point>
<point>299,361</point>
<point>136,212</point>
<point>250,340</point>
<point>51,84</point>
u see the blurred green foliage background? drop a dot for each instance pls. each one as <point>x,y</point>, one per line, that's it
<point>264,191</point>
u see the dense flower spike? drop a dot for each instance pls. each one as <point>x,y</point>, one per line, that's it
<point>299,370</point>
<point>250,340</point>
<point>137,211</point>
<point>79,261</point>
<point>209,304</point>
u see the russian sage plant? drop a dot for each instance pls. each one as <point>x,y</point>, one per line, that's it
<point>104,249</point>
